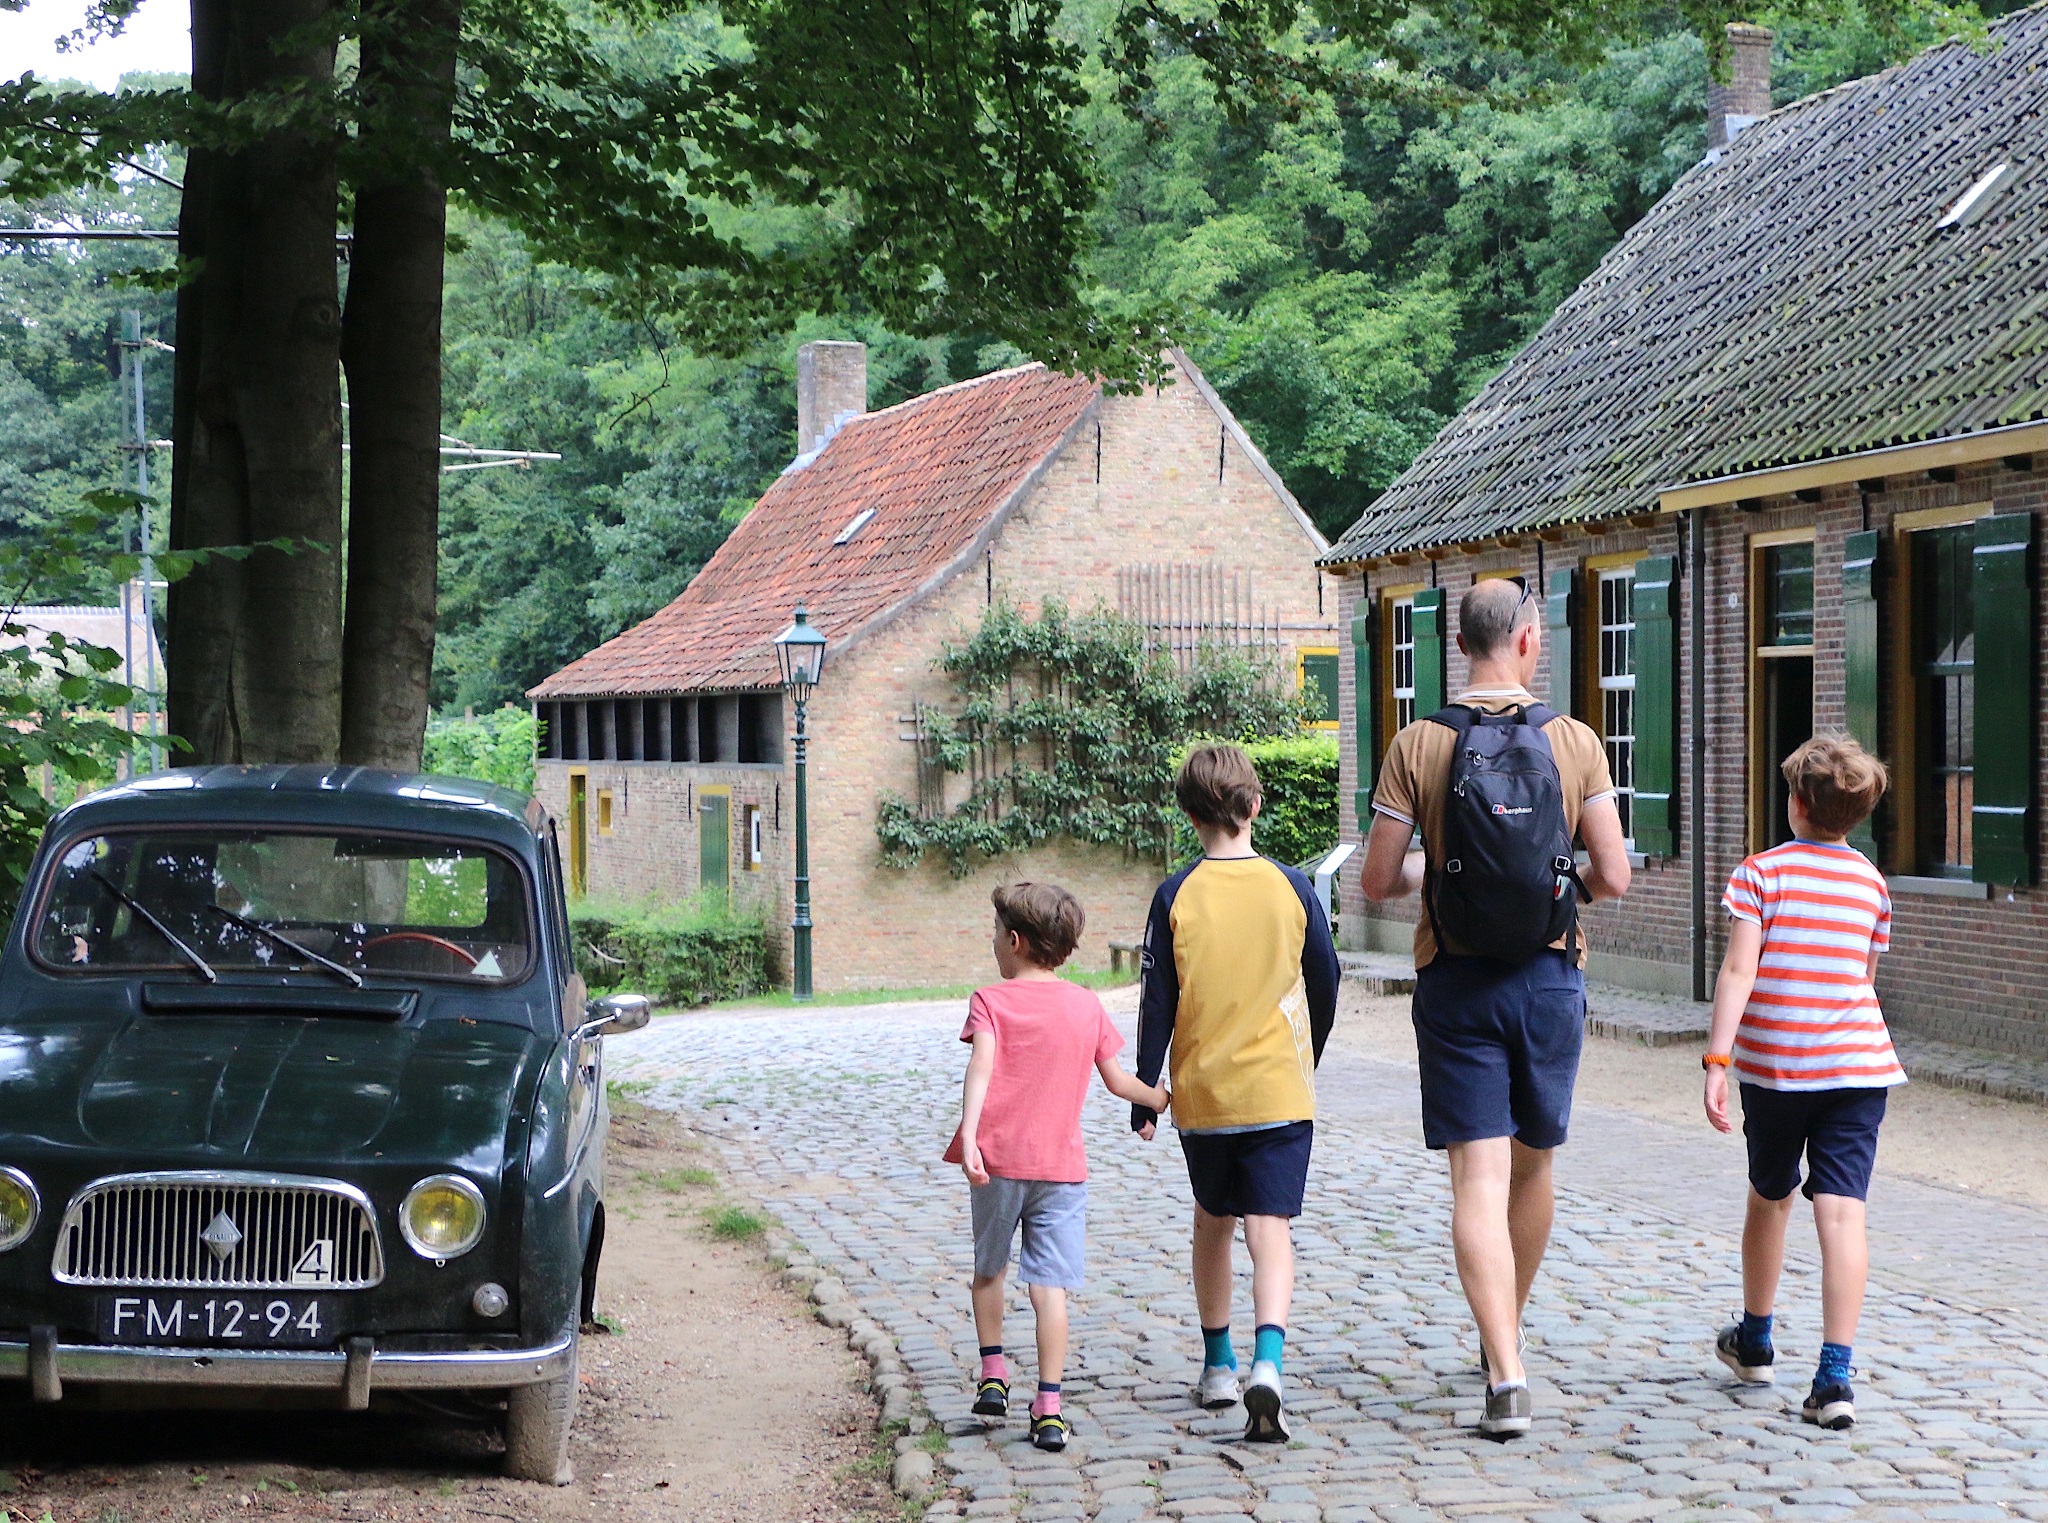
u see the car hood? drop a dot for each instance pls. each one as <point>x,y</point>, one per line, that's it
<point>219,1088</point>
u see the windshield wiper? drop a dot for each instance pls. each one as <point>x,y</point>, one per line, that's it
<point>200,964</point>
<point>260,929</point>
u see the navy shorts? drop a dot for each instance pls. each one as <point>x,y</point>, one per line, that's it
<point>1260,1173</point>
<point>1499,1048</point>
<point>1836,1130</point>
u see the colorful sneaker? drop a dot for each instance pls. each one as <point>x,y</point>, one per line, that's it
<point>1507,1412</point>
<point>1050,1432</point>
<point>1219,1386</point>
<point>1264,1423</point>
<point>992,1398</point>
<point>1830,1406</point>
<point>1752,1363</point>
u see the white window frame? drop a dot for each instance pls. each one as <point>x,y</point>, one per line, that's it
<point>1614,648</point>
<point>1400,646</point>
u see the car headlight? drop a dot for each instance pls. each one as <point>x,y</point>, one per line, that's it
<point>19,1208</point>
<point>442,1217</point>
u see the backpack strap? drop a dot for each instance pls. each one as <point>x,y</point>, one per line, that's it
<point>1458,718</point>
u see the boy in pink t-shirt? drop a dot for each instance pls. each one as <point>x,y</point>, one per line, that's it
<point>1035,1036</point>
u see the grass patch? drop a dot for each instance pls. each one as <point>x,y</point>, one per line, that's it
<point>933,1440</point>
<point>779,999</point>
<point>675,1181</point>
<point>734,1224</point>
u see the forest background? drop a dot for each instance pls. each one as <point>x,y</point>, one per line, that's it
<point>1348,272</point>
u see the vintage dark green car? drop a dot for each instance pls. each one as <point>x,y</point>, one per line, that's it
<point>301,1099</point>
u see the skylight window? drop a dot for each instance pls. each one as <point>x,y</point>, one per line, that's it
<point>1973,201</point>
<point>858,522</point>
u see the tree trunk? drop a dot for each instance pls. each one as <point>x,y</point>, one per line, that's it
<point>391,345</point>
<point>255,646</point>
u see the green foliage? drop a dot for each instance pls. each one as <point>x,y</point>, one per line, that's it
<point>58,700</point>
<point>1068,728</point>
<point>63,419</point>
<point>1298,816</point>
<point>734,1224</point>
<point>497,747</point>
<point>680,954</point>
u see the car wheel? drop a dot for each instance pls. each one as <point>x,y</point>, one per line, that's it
<point>537,1423</point>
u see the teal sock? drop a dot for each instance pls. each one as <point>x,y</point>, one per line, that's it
<point>1216,1349</point>
<point>1271,1339</point>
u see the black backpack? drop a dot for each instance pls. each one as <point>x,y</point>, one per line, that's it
<point>1508,885</point>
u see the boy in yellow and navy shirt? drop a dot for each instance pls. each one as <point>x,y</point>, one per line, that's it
<point>1240,984</point>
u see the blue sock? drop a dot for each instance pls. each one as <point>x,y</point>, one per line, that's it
<point>1755,1331</point>
<point>1271,1338</point>
<point>1834,1364</point>
<point>1216,1349</point>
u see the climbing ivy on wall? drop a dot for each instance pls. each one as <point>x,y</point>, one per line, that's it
<point>1069,725</point>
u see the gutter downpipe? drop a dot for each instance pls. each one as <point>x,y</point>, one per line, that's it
<point>1696,549</point>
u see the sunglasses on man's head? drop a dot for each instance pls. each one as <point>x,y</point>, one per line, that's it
<point>1528,592</point>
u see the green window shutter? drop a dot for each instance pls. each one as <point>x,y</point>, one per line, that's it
<point>1429,651</point>
<point>1861,662</point>
<point>2002,614</point>
<point>1364,697</point>
<point>1561,613</point>
<point>1655,812</point>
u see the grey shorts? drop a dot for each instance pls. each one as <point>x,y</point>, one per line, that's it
<point>1055,1220</point>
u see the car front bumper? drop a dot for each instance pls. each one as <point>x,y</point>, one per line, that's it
<point>350,1372</point>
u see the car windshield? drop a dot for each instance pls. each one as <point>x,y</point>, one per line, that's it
<point>335,907</point>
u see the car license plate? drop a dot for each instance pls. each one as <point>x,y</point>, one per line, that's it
<point>215,1319</point>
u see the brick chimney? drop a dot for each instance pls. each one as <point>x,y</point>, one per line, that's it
<point>831,386</point>
<point>1747,95</point>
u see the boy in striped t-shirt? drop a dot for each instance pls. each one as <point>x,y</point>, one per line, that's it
<point>1796,1016</point>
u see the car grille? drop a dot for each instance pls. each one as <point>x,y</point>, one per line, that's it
<point>216,1229</point>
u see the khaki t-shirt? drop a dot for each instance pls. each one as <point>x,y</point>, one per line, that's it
<point>1417,773</point>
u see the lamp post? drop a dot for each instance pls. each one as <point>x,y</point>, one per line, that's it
<point>801,650</point>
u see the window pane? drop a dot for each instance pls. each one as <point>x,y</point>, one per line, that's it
<point>1944,653</point>
<point>1788,595</point>
<point>1616,647</point>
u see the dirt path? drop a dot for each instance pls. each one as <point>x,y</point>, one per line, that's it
<point>717,1400</point>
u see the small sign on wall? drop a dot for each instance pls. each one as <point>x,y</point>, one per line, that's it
<point>753,819</point>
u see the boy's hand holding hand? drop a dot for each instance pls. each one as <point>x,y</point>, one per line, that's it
<point>970,1162</point>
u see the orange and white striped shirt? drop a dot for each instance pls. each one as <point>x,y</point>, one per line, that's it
<point>1812,1021</point>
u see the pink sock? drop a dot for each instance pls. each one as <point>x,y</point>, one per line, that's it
<point>1046,1404</point>
<point>994,1367</point>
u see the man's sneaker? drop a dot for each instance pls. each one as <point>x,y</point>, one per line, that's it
<point>1507,1412</point>
<point>1521,1352</point>
<point>992,1398</point>
<point>1752,1363</point>
<point>1219,1386</point>
<point>1050,1432</point>
<point>1831,1406</point>
<point>1264,1423</point>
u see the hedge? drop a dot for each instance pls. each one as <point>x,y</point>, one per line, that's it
<point>1298,820</point>
<point>675,954</point>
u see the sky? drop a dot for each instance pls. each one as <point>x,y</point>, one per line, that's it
<point>157,39</point>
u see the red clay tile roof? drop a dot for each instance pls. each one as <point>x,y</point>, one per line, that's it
<point>936,470</point>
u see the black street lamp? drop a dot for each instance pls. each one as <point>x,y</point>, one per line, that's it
<point>801,650</point>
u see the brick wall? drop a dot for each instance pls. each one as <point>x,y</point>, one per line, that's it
<point>1159,482</point>
<point>1966,970</point>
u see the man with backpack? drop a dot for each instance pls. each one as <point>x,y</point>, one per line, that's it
<point>1500,788</point>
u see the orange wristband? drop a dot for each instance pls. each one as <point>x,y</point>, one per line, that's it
<point>1715,1060</point>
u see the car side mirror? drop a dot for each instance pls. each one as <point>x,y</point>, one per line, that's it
<point>614,1015</point>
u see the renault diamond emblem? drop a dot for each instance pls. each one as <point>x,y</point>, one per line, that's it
<point>222,1236</point>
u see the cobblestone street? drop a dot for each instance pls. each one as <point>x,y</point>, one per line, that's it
<point>835,1120</point>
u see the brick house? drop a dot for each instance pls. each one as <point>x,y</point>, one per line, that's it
<point>665,748</point>
<point>1779,464</point>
